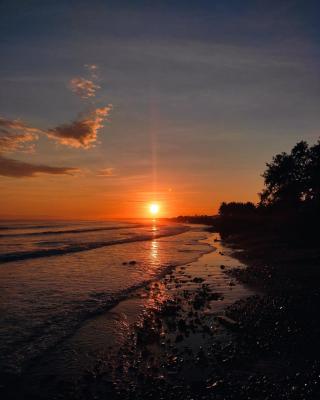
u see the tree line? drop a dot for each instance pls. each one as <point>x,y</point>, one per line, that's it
<point>291,184</point>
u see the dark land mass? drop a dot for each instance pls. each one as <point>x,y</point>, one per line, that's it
<point>279,328</point>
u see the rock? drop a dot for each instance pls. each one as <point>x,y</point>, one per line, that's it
<point>228,322</point>
<point>182,326</point>
<point>170,308</point>
<point>179,338</point>
<point>198,302</point>
<point>197,280</point>
<point>215,296</point>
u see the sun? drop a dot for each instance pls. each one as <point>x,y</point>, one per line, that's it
<point>154,208</point>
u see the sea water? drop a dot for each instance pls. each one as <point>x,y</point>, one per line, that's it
<point>56,275</point>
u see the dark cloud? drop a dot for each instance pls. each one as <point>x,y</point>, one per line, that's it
<point>19,169</point>
<point>83,131</point>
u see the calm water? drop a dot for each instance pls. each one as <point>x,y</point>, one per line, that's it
<point>56,275</point>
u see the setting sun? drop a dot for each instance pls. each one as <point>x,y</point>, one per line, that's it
<point>154,208</point>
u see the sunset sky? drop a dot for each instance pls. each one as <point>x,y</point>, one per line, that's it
<point>106,106</point>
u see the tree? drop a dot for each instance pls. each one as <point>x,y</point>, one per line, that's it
<point>286,179</point>
<point>313,173</point>
<point>236,209</point>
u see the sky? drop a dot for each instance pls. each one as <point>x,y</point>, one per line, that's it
<point>106,106</point>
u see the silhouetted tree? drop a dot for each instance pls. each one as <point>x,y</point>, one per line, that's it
<point>236,209</point>
<point>292,180</point>
<point>285,177</point>
<point>313,173</point>
<point>289,204</point>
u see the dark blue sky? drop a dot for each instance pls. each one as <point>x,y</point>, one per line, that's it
<point>245,20</point>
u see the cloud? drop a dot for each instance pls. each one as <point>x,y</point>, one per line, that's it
<point>106,172</point>
<point>19,169</point>
<point>91,67</point>
<point>16,124</point>
<point>15,135</point>
<point>83,132</point>
<point>84,88</point>
<point>93,70</point>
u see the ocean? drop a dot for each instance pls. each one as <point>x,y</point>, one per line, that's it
<point>56,275</point>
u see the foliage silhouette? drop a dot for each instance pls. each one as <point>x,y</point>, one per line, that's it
<point>293,180</point>
<point>236,209</point>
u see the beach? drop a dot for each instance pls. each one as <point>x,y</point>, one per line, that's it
<point>217,326</point>
<point>199,286</point>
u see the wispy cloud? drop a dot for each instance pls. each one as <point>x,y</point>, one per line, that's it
<point>84,88</point>
<point>105,172</point>
<point>19,169</point>
<point>15,135</point>
<point>18,136</point>
<point>93,69</point>
<point>82,132</point>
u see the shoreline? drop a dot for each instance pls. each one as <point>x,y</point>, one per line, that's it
<point>213,328</point>
<point>134,325</point>
<point>98,295</point>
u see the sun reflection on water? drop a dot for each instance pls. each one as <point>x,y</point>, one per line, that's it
<point>154,249</point>
<point>154,226</point>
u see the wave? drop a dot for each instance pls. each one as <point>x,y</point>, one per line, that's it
<point>84,230</point>
<point>56,328</point>
<point>75,248</point>
<point>22,226</point>
<point>53,319</point>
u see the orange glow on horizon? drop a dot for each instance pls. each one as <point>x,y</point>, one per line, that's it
<point>88,197</point>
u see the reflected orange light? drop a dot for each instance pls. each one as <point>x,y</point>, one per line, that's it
<point>154,249</point>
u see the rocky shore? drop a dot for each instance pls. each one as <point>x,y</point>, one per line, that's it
<point>217,328</point>
<point>263,346</point>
